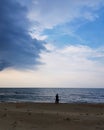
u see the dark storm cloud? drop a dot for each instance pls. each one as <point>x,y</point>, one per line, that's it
<point>17,49</point>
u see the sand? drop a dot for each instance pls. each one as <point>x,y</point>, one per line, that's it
<point>50,116</point>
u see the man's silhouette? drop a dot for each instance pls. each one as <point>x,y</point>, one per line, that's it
<point>57,98</point>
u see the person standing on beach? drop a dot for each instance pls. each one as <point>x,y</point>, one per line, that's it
<point>57,98</point>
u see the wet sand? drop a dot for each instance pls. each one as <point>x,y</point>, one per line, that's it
<point>50,116</point>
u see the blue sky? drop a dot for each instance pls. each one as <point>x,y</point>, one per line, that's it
<point>79,31</point>
<point>54,43</point>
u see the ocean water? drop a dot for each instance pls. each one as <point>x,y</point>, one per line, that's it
<point>66,95</point>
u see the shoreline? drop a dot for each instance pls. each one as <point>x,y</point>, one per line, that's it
<point>70,103</point>
<point>49,116</point>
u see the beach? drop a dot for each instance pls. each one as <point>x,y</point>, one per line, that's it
<point>50,116</point>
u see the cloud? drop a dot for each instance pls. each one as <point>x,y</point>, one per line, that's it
<point>73,66</point>
<point>74,57</point>
<point>45,14</point>
<point>49,14</point>
<point>17,48</point>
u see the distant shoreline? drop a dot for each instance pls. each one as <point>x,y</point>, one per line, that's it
<point>73,103</point>
<point>31,102</point>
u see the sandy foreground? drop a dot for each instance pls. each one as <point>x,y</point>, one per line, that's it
<point>48,116</point>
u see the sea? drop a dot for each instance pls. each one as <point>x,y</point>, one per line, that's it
<point>47,95</point>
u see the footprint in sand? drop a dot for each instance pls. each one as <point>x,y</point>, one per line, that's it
<point>5,109</point>
<point>14,124</point>
<point>67,119</point>
<point>4,115</point>
<point>29,113</point>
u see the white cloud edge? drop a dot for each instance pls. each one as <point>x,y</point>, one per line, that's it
<point>53,13</point>
<point>65,67</point>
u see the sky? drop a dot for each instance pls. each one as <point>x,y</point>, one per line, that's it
<point>52,43</point>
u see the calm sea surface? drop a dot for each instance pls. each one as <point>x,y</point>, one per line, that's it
<point>67,95</point>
